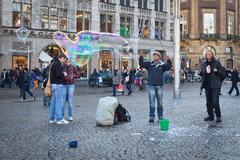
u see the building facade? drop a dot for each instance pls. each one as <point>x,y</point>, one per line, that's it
<point>146,24</point>
<point>210,24</point>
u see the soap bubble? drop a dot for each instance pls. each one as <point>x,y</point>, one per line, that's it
<point>86,43</point>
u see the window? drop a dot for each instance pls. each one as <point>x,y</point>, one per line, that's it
<point>106,24</point>
<point>158,5</point>
<point>16,20</point>
<point>63,19</point>
<point>125,3</point>
<point>184,23</point>
<point>44,18</point>
<point>144,28</point>
<point>230,22</point>
<point>125,26</point>
<point>83,21</point>
<point>209,23</point>
<point>26,8</point>
<point>142,4</point>
<point>54,19</point>
<point>159,30</point>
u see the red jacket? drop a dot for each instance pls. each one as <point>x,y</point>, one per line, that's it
<point>72,74</point>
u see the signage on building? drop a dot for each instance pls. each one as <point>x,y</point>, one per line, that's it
<point>34,33</point>
<point>22,46</point>
<point>227,50</point>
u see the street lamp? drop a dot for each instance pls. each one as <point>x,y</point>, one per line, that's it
<point>177,62</point>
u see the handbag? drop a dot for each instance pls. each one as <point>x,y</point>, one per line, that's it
<point>48,88</point>
<point>127,79</point>
<point>120,87</point>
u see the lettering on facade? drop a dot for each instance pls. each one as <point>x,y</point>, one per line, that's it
<point>33,34</point>
<point>22,46</point>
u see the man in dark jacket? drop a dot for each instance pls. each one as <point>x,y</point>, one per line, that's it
<point>235,80</point>
<point>155,69</point>
<point>26,84</point>
<point>57,75</point>
<point>212,73</point>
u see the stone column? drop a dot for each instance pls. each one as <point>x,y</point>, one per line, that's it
<point>167,23</point>
<point>95,19</point>
<point>36,14</point>
<point>71,15</point>
<point>7,13</point>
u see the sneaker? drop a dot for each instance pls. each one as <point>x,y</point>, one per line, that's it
<point>51,121</point>
<point>209,118</point>
<point>63,121</point>
<point>160,118</point>
<point>70,118</point>
<point>218,119</point>
<point>23,100</point>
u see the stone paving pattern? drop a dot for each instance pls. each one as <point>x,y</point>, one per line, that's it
<point>26,135</point>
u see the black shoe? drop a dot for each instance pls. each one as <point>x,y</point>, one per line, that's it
<point>209,118</point>
<point>151,120</point>
<point>229,93</point>
<point>237,95</point>
<point>220,94</point>
<point>218,119</point>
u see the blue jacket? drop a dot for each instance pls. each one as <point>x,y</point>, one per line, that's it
<point>155,71</point>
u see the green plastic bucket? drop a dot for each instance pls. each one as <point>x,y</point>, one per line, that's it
<point>164,124</point>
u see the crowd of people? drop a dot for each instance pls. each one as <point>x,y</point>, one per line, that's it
<point>62,75</point>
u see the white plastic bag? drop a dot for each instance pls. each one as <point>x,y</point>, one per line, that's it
<point>106,110</point>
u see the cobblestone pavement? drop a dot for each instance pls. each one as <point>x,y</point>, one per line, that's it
<point>26,135</point>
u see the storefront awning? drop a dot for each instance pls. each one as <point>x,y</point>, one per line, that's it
<point>44,57</point>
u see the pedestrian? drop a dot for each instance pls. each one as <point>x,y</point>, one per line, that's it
<point>155,69</point>
<point>3,78</point>
<point>129,80</point>
<point>19,81</point>
<point>117,80</point>
<point>235,79</point>
<point>212,73</point>
<point>45,73</point>
<point>26,85</point>
<point>57,75</point>
<point>69,87</point>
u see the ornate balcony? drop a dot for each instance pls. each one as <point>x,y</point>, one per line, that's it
<point>232,37</point>
<point>209,36</point>
<point>107,7</point>
<point>85,6</point>
<point>161,15</point>
<point>145,12</point>
<point>184,36</point>
<point>127,9</point>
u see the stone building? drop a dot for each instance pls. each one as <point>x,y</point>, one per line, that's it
<point>210,24</point>
<point>146,24</point>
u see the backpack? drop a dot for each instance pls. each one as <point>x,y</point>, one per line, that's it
<point>121,114</point>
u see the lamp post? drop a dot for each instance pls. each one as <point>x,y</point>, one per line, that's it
<point>22,34</point>
<point>177,62</point>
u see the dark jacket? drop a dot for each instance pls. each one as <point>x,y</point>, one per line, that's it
<point>57,75</point>
<point>72,74</point>
<point>214,81</point>
<point>234,76</point>
<point>155,71</point>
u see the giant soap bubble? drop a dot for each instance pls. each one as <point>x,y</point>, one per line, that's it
<point>86,43</point>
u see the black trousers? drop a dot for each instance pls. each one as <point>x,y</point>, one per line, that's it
<point>26,88</point>
<point>234,86</point>
<point>212,97</point>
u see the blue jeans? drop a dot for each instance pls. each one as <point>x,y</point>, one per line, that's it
<point>55,110</point>
<point>68,91</point>
<point>155,92</point>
